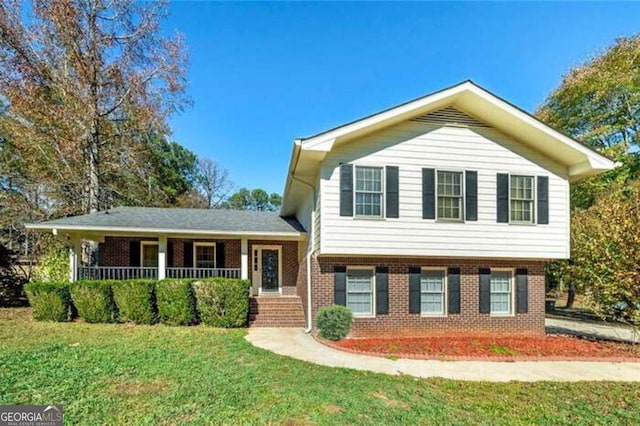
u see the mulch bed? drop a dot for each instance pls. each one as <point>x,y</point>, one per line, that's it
<point>550,347</point>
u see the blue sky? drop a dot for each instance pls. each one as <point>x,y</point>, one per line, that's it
<point>262,74</point>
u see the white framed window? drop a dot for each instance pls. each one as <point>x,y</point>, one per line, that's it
<point>360,291</point>
<point>433,287</point>
<point>501,292</point>
<point>149,254</point>
<point>204,255</point>
<point>369,191</point>
<point>521,199</point>
<point>450,192</point>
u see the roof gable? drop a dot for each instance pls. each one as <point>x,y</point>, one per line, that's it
<point>465,104</point>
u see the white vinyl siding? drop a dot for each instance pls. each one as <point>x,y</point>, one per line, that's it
<point>413,146</point>
<point>360,291</point>
<point>521,199</point>
<point>432,292</point>
<point>449,193</point>
<point>501,293</point>
<point>368,191</point>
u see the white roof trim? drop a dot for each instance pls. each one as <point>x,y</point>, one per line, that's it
<point>121,229</point>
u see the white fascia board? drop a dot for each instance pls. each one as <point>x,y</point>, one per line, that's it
<point>129,230</point>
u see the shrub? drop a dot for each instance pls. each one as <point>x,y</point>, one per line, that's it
<point>54,265</point>
<point>135,300</point>
<point>334,322</point>
<point>94,300</point>
<point>50,301</point>
<point>176,302</point>
<point>223,302</point>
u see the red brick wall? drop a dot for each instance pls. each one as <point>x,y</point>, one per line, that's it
<point>301,286</point>
<point>400,322</point>
<point>115,251</point>
<point>289,263</point>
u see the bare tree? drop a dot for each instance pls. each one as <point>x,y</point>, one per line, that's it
<point>84,83</point>
<point>212,180</point>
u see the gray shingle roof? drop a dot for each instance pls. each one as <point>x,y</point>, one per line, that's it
<point>234,221</point>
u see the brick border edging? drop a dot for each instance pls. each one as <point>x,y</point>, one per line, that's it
<point>487,358</point>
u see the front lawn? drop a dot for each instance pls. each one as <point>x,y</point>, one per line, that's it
<point>117,374</point>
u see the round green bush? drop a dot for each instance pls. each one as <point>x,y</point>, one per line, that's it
<point>223,302</point>
<point>334,322</point>
<point>176,302</point>
<point>136,301</point>
<point>94,300</point>
<point>50,301</point>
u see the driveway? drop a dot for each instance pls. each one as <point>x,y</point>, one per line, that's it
<point>591,329</point>
<point>295,343</point>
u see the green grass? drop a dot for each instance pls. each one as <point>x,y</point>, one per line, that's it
<point>115,374</point>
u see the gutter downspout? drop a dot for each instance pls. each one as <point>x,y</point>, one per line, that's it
<point>310,241</point>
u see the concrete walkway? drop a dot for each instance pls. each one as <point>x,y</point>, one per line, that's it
<point>591,329</point>
<point>294,343</point>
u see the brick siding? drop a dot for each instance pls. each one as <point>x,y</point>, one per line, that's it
<point>400,322</point>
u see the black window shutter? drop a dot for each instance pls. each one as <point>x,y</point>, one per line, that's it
<point>393,191</point>
<point>522,295</point>
<point>188,254</point>
<point>543,200</point>
<point>134,254</point>
<point>170,254</point>
<point>346,190</point>
<point>340,285</point>
<point>471,195</point>
<point>453,282</point>
<point>414,289</point>
<point>220,254</point>
<point>382,290</point>
<point>428,193</point>
<point>502,198</point>
<point>485,290</point>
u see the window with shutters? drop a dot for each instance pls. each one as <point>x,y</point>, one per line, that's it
<point>204,255</point>
<point>450,194</point>
<point>368,191</point>
<point>433,283</point>
<point>521,199</point>
<point>501,292</point>
<point>149,254</point>
<point>360,291</point>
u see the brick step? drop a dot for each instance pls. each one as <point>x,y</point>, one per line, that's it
<point>283,311</point>
<point>276,309</point>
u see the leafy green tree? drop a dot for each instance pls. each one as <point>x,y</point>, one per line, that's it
<point>174,168</point>
<point>257,199</point>
<point>54,265</point>
<point>606,254</point>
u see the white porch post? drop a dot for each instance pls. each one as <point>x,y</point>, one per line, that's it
<point>74,253</point>
<point>162,257</point>
<point>244,258</point>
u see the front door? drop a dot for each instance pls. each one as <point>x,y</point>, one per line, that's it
<point>266,269</point>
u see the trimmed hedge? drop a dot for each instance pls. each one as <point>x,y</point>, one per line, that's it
<point>50,301</point>
<point>94,300</point>
<point>334,322</point>
<point>176,302</point>
<point>136,301</point>
<point>223,302</point>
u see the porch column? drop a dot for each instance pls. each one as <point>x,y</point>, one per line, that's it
<point>244,258</point>
<point>162,257</point>
<point>74,253</point>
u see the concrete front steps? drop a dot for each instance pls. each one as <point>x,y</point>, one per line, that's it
<point>276,311</point>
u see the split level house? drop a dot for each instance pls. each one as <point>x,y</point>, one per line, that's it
<point>434,216</point>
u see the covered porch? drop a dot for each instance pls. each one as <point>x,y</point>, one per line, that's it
<point>154,243</point>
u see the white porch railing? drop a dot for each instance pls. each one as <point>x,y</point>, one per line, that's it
<point>129,273</point>
<point>202,272</point>
<point>116,273</point>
